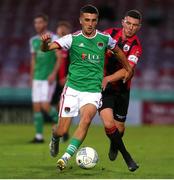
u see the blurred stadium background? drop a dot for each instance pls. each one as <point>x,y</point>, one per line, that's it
<point>152,95</point>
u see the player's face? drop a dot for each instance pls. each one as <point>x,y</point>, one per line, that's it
<point>89,22</point>
<point>130,26</point>
<point>40,25</point>
<point>62,31</point>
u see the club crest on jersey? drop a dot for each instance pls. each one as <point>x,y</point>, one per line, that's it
<point>100,45</point>
<point>67,109</point>
<point>83,56</point>
<point>126,48</point>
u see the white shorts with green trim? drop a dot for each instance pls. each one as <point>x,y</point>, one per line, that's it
<point>42,91</point>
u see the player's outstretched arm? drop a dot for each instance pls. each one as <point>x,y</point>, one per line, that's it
<point>47,45</point>
<point>121,74</point>
<point>118,75</point>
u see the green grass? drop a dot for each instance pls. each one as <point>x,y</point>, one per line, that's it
<point>151,146</point>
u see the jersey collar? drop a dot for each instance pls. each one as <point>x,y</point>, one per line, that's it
<point>96,31</point>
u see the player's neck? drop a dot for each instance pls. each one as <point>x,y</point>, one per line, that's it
<point>89,35</point>
<point>124,38</point>
<point>43,32</point>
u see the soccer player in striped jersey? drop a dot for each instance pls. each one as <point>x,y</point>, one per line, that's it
<point>115,96</point>
<point>82,91</point>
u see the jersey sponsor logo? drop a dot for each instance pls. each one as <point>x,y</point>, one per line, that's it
<point>91,57</point>
<point>100,45</point>
<point>126,48</point>
<point>81,45</point>
<point>83,56</point>
<point>133,59</point>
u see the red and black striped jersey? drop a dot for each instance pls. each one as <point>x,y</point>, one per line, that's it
<point>131,48</point>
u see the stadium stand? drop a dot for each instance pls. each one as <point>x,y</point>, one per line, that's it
<point>155,71</point>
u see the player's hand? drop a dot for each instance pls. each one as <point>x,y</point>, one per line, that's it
<point>51,78</point>
<point>105,83</point>
<point>46,38</point>
<point>128,75</point>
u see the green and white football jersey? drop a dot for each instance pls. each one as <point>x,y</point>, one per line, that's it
<point>44,61</point>
<point>86,59</point>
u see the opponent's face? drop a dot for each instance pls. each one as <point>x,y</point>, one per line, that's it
<point>62,30</point>
<point>130,26</point>
<point>89,22</point>
<point>40,25</point>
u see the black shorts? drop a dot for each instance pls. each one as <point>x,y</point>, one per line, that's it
<point>119,102</point>
<point>57,93</point>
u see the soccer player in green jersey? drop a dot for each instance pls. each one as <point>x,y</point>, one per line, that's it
<point>44,67</point>
<point>82,91</point>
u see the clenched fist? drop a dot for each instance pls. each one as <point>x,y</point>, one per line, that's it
<point>46,38</point>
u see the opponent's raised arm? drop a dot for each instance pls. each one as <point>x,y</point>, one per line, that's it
<point>47,45</point>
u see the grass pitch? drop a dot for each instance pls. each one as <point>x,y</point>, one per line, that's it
<point>151,146</point>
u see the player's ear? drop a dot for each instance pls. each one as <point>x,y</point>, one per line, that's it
<point>80,20</point>
<point>122,22</point>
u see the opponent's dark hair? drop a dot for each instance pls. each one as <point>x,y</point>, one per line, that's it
<point>89,9</point>
<point>41,15</point>
<point>134,14</point>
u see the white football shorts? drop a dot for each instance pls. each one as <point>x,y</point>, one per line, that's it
<point>72,100</point>
<point>42,91</point>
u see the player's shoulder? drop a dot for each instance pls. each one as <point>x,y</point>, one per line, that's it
<point>137,41</point>
<point>112,30</point>
<point>34,37</point>
<point>77,33</point>
<point>103,33</point>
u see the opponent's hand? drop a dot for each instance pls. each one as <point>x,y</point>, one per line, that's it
<point>104,83</point>
<point>128,75</point>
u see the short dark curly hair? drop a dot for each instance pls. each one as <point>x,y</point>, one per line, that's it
<point>89,9</point>
<point>134,14</point>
